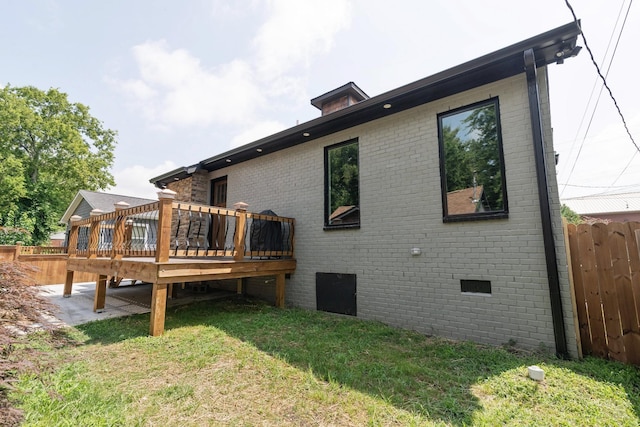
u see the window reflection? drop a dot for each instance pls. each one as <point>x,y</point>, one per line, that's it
<point>471,161</point>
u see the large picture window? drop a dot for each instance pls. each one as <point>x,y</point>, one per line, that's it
<point>472,163</point>
<point>342,195</point>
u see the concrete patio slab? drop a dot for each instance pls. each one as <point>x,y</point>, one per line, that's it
<point>125,300</point>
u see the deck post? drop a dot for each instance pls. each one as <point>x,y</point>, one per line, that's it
<point>94,234</point>
<point>280,281</point>
<point>128,234</point>
<point>72,244</point>
<point>68,284</point>
<point>72,248</point>
<point>240,234</point>
<point>17,250</point>
<point>101,294</point>
<point>165,212</point>
<point>119,232</point>
<point>158,309</point>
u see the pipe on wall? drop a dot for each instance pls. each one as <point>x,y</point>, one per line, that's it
<point>545,207</point>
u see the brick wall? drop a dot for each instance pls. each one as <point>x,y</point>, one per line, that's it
<point>401,208</point>
<point>182,189</point>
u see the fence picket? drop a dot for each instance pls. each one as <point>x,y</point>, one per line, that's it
<point>605,267</point>
<point>608,294</point>
<point>592,291</point>
<point>632,338</point>
<point>578,283</point>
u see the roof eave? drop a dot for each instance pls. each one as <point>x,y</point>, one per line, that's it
<point>492,67</point>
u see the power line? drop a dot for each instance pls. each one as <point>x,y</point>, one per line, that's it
<point>595,107</point>
<point>604,80</point>
<point>625,168</point>
<point>602,186</point>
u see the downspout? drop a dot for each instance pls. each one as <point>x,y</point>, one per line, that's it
<point>545,208</point>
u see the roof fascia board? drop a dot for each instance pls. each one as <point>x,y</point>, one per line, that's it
<point>72,207</point>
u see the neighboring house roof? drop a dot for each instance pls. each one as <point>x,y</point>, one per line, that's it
<point>464,201</point>
<point>103,201</point>
<point>343,211</point>
<point>60,235</point>
<point>604,204</point>
<point>549,47</point>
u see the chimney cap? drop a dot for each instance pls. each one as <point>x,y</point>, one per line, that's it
<point>348,89</point>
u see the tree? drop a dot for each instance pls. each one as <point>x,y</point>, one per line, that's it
<point>49,149</point>
<point>344,176</point>
<point>472,153</point>
<point>484,153</point>
<point>570,215</point>
<point>457,161</point>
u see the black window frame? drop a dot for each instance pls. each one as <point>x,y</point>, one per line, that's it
<point>488,215</point>
<point>327,207</point>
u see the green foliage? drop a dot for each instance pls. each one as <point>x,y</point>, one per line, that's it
<point>49,149</point>
<point>472,155</point>
<point>571,216</point>
<point>10,236</point>
<point>344,177</point>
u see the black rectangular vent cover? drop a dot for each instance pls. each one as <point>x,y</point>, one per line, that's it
<point>475,286</point>
<point>336,293</point>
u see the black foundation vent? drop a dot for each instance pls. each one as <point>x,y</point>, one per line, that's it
<point>475,286</point>
<point>336,293</point>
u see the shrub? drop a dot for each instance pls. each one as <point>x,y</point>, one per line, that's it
<point>11,235</point>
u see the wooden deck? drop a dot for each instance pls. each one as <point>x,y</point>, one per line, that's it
<point>173,251</point>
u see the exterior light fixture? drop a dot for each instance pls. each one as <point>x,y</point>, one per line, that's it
<point>228,160</point>
<point>306,134</point>
<point>259,150</point>
<point>386,106</point>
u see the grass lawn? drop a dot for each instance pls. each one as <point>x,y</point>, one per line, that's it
<point>242,362</point>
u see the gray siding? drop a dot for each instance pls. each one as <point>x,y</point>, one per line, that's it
<point>401,208</point>
<point>83,210</point>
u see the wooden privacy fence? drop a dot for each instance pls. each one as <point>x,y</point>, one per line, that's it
<point>50,263</point>
<point>605,266</point>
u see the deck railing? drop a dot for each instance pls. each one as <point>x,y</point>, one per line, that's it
<point>42,250</point>
<point>167,229</point>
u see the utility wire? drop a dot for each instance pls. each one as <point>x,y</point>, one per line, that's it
<point>604,80</point>
<point>625,168</point>
<point>595,107</point>
<point>602,186</point>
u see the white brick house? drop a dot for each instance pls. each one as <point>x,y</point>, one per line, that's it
<point>401,256</point>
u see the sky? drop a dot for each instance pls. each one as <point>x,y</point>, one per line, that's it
<point>182,81</point>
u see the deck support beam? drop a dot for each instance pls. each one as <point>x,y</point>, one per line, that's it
<point>100,296</point>
<point>158,309</point>
<point>280,282</point>
<point>68,284</point>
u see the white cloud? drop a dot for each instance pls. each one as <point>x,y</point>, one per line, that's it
<point>257,131</point>
<point>222,9</point>
<point>175,89</point>
<point>134,180</point>
<point>296,31</point>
